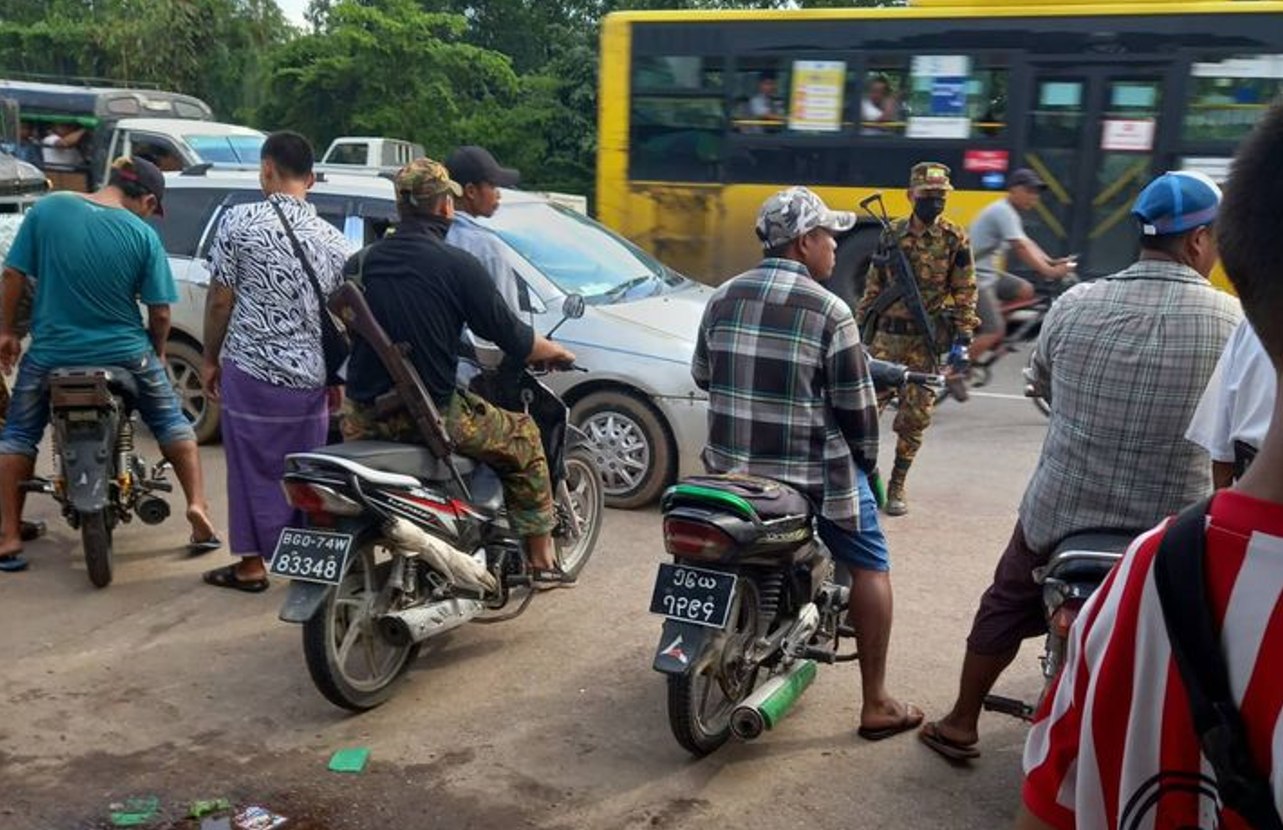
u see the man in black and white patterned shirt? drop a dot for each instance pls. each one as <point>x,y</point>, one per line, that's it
<point>263,355</point>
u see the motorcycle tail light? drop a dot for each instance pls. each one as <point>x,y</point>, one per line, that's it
<point>317,500</point>
<point>1063,619</point>
<point>688,539</point>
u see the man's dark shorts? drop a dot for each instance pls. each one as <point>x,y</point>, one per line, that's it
<point>1011,609</point>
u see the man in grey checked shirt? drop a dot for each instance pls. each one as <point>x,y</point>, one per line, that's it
<point>1124,361</point>
<point>791,399</point>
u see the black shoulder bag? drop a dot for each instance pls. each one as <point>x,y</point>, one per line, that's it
<point>1182,592</point>
<point>334,343</point>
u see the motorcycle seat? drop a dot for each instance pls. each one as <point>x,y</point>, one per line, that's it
<point>404,459</point>
<point>1088,556</point>
<point>73,386</point>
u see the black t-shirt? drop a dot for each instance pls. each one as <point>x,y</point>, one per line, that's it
<point>423,292</point>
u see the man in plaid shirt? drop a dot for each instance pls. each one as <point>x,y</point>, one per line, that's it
<point>791,399</point>
<point>1123,361</point>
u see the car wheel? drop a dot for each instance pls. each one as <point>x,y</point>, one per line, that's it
<point>630,445</point>
<point>185,364</point>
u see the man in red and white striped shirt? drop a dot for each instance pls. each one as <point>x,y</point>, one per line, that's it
<point>1115,745</point>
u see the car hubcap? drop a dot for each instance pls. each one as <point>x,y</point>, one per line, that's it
<point>187,385</point>
<point>620,449</point>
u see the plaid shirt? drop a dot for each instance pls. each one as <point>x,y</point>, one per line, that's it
<point>1125,360</point>
<point>790,397</point>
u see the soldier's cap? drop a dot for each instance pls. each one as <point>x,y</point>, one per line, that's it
<point>929,175</point>
<point>1177,202</point>
<point>424,178</point>
<point>793,213</point>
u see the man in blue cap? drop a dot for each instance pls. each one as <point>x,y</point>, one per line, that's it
<point>1123,361</point>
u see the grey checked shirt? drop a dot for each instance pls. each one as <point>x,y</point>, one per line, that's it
<point>1125,360</point>
<point>790,397</point>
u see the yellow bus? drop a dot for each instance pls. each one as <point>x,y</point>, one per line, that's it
<point>703,114</point>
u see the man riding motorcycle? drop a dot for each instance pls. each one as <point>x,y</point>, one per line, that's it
<point>423,292</point>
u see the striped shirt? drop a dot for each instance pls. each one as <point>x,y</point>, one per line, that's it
<point>1114,746</point>
<point>1125,360</point>
<point>790,397</point>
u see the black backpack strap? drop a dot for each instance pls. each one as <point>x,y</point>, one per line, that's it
<point>1182,593</point>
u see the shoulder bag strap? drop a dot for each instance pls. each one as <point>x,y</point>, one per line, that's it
<point>1182,593</point>
<point>302,257</point>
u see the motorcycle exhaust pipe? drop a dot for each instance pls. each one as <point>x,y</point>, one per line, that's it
<point>414,625</point>
<point>766,707</point>
<point>152,510</point>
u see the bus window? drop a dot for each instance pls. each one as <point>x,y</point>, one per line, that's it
<point>678,118</point>
<point>950,96</point>
<point>881,97</point>
<point>1228,97</point>
<point>761,95</point>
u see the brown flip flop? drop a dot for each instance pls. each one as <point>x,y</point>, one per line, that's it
<point>954,751</point>
<point>911,719</point>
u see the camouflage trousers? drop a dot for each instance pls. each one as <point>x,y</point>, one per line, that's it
<point>916,403</point>
<point>507,442</point>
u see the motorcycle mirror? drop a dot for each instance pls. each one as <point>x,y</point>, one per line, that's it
<point>573,307</point>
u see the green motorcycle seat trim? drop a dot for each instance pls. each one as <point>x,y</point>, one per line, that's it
<point>708,495</point>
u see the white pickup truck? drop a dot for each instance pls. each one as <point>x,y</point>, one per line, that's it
<point>368,155</point>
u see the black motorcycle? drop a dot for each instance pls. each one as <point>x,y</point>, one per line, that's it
<point>406,542</point>
<point>752,601</point>
<point>99,479</point>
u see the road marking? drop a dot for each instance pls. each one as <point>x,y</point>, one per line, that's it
<point>1001,395</point>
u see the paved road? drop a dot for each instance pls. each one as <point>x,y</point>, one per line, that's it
<point>161,686</point>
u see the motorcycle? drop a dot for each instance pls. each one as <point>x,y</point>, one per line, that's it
<point>403,543</point>
<point>1077,568</point>
<point>100,479</point>
<point>751,595</point>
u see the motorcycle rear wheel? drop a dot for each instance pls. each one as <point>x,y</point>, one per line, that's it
<point>95,536</point>
<point>346,623</point>
<point>700,728</point>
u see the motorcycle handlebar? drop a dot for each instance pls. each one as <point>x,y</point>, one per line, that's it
<point>924,379</point>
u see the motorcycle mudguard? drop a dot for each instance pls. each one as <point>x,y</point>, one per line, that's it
<point>86,462</point>
<point>680,646</point>
<point>303,600</point>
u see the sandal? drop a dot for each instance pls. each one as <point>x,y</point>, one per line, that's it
<point>13,562</point>
<point>952,750</point>
<point>196,548</point>
<point>551,577</point>
<point>911,719</point>
<point>225,577</point>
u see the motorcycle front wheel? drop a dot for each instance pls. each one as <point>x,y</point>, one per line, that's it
<point>582,501</point>
<point>701,701</point>
<point>350,663</point>
<point>95,536</point>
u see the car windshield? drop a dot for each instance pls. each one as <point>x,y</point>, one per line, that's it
<point>226,149</point>
<point>580,256</point>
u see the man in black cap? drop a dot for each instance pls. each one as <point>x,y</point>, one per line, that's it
<point>480,176</point>
<point>93,259</point>
<point>996,230</point>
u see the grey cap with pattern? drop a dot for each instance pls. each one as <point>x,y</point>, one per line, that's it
<point>794,213</point>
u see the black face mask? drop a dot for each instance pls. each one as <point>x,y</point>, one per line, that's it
<point>928,208</point>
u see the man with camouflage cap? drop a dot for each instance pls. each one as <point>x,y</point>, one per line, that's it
<point>939,254</point>
<point>423,292</point>
<point>791,399</point>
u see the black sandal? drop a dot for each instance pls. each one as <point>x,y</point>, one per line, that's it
<point>551,578</point>
<point>226,577</point>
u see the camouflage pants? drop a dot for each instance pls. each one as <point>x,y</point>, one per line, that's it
<point>507,442</point>
<point>916,403</point>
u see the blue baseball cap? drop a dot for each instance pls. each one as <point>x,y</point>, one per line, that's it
<point>1177,202</point>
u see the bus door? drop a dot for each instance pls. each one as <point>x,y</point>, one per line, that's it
<point>1095,135</point>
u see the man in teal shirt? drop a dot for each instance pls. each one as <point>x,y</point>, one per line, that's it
<point>93,258</point>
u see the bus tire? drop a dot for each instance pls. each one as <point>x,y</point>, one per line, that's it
<point>853,255</point>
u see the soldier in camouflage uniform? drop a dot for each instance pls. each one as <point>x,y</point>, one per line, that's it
<point>940,255</point>
<point>423,293</point>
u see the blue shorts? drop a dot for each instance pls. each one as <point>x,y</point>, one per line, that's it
<point>865,549</point>
<point>157,404</point>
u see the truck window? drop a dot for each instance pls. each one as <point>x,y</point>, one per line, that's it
<point>356,153</point>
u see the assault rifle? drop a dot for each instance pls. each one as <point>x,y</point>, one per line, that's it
<point>904,287</point>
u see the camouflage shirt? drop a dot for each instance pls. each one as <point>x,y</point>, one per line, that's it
<point>941,260</point>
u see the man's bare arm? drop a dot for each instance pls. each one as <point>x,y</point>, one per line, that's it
<point>158,328</point>
<point>1035,257</point>
<point>1222,474</point>
<point>15,283</point>
<point>1028,821</point>
<point>219,301</point>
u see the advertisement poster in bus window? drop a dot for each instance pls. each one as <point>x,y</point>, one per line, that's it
<point>815,105</point>
<point>1127,135</point>
<point>943,80</point>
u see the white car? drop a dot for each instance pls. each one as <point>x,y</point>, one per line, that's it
<point>636,400</point>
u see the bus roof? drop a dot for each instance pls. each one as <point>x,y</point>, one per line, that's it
<point>44,102</point>
<point>954,8</point>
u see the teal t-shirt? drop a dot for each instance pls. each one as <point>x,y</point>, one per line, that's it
<point>92,265</point>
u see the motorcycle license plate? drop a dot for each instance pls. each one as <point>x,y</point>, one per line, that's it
<point>311,555</point>
<point>693,595</point>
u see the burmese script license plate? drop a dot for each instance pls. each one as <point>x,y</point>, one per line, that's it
<point>311,555</point>
<point>693,595</point>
